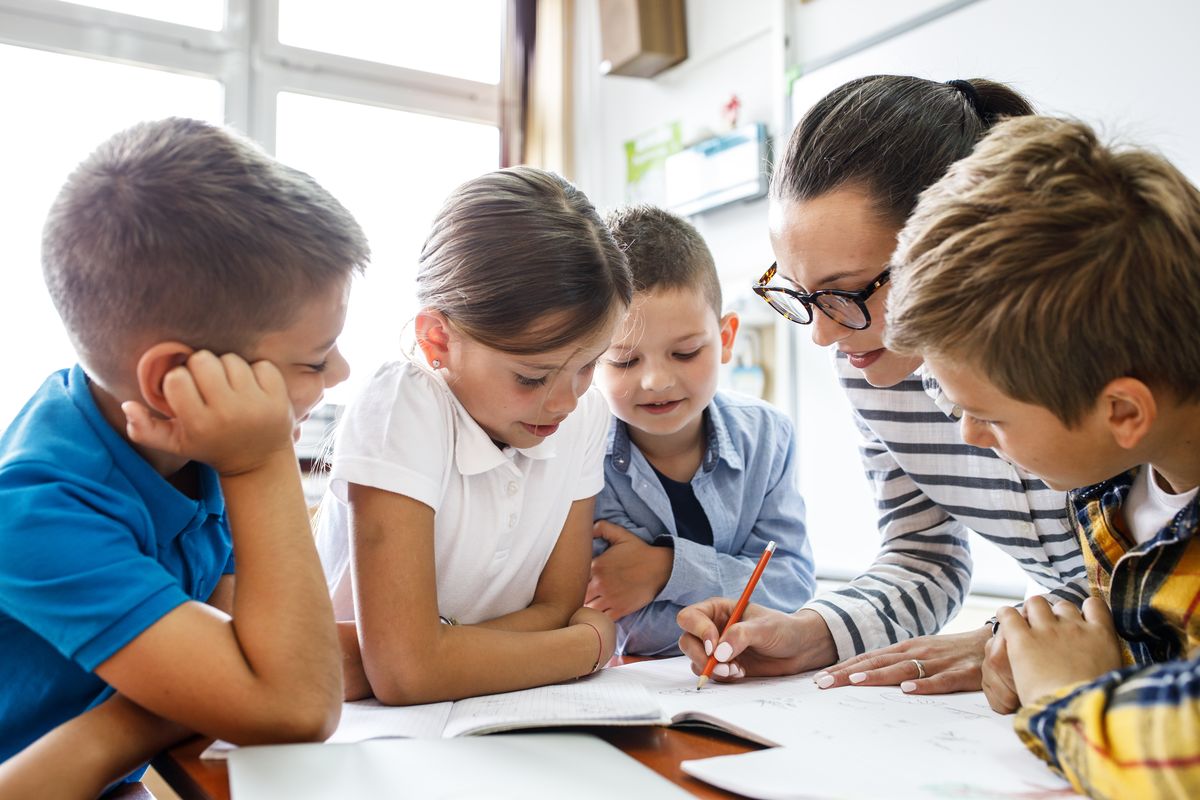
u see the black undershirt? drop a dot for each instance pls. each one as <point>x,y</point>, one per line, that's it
<point>690,520</point>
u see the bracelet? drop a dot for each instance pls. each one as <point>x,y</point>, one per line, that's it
<point>599,647</point>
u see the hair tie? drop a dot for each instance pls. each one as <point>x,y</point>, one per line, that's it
<point>968,90</point>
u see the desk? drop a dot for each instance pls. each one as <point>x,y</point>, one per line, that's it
<point>660,749</point>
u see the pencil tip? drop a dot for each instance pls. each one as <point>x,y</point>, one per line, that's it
<point>700,684</point>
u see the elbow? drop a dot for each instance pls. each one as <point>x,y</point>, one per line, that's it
<point>401,684</point>
<point>312,718</point>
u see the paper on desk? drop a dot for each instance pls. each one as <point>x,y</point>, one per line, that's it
<point>493,767</point>
<point>976,759</point>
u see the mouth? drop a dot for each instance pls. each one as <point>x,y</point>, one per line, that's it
<point>665,407</point>
<point>865,359</point>
<point>541,431</point>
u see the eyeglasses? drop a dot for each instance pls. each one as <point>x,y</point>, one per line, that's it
<point>844,308</point>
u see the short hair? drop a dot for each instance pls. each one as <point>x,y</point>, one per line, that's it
<point>892,135</point>
<point>514,245</point>
<point>1055,264</point>
<point>178,229</point>
<point>665,251</point>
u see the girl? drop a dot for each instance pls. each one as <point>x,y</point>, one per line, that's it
<point>456,537</point>
<point>850,177</point>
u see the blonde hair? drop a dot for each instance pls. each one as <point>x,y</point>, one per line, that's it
<point>1054,264</point>
<point>177,229</point>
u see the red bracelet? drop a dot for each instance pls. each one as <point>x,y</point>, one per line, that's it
<point>599,646</point>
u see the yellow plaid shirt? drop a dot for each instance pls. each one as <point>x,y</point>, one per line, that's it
<point>1133,732</point>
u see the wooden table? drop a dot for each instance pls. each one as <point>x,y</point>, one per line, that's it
<point>661,749</point>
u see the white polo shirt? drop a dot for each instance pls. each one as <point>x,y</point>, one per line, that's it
<point>497,513</point>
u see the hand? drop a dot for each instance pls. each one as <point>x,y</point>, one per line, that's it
<point>228,414</point>
<point>604,625</point>
<point>998,685</point>
<point>629,574</point>
<point>951,663</point>
<point>1053,647</point>
<point>765,642</point>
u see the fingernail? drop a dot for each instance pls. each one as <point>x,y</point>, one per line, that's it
<point>818,676</point>
<point>908,686</point>
<point>707,647</point>
<point>858,677</point>
<point>737,671</point>
<point>721,670</point>
<point>825,682</point>
<point>724,651</point>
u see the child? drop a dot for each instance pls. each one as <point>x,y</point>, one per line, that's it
<point>696,481</point>
<point>1053,286</point>
<point>462,487</point>
<point>204,286</point>
<point>849,178</point>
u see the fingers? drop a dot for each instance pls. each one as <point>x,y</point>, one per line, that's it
<point>144,428</point>
<point>609,532</point>
<point>1038,612</point>
<point>701,619</point>
<point>1097,612</point>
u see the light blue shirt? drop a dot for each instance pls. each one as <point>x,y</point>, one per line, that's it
<point>746,485</point>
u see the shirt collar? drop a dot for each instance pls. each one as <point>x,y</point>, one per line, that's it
<point>171,511</point>
<point>474,450</point>
<point>718,444</point>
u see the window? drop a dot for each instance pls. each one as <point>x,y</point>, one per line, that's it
<point>390,106</point>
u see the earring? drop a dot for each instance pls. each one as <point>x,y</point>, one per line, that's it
<point>437,364</point>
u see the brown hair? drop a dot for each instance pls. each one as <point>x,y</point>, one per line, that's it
<point>666,251</point>
<point>513,245</point>
<point>1055,264</point>
<point>177,229</point>
<point>893,135</point>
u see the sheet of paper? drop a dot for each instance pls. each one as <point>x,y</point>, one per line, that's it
<point>608,697</point>
<point>976,760</point>
<point>504,767</point>
<point>370,719</point>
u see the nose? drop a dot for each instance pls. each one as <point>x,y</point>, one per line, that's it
<point>825,331</point>
<point>563,395</point>
<point>656,376</point>
<point>975,433</point>
<point>337,368</point>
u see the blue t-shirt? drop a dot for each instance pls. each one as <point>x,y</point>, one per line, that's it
<point>95,547</point>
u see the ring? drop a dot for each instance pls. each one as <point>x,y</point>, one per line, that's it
<point>920,668</point>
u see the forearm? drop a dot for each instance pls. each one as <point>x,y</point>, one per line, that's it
<point>546,615</point>
<point>102,746</point>
<point>469,660</point>
<point>283,617</point>
<point>1097,734</point>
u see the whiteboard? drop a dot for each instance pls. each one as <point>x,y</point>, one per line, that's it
<point>1127,67</point>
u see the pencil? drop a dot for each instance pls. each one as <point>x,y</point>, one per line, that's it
<point>738,609</point>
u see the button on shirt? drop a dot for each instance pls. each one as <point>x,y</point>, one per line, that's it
<point>498,512</point>
<point>95,547</point>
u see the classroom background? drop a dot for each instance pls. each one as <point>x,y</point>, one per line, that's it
<point>392,104</point>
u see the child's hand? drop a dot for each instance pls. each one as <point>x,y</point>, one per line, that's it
<point>228,414</point>
<point>629,574</point>
<point>765,643</point>
<point>998,685</point>
<point>603,625</point>
<point>1053,647</point>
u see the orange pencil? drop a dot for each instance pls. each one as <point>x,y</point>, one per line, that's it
<point>738,610</point>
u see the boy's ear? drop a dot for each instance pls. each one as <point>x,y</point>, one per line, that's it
<point>433,337</point>
<point>1130,410</point>
<point>153,367</point>
<point>729,328</point>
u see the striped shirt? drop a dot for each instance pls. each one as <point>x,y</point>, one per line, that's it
<point>1133,732</point>
<point>930,489</point>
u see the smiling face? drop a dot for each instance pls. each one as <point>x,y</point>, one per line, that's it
<point>838,241</point>
<point>661,370</point>
<point>519,400</point>
<point>306,351</point>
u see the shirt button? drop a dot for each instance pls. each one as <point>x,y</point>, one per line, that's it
<point>512,520</point>
<point>512,488</point>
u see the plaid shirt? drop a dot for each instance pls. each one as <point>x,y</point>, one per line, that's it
<point>1135,731</point>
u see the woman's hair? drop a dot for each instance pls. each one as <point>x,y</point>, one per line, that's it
<point>512,246</point>
<point>892,135</point>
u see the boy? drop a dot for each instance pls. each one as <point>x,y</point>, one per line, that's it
<point>1053,286</point>
<point>128,481</point>
<point>696,481</point>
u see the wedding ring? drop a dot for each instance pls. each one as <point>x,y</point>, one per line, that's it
<point>920,668</point>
